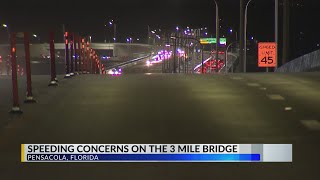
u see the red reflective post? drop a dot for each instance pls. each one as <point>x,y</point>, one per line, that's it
<point>72,54</point>
<point>81,61</point>
<point>29,98</point>
<point>94,64</point>
<point>80,55</point>
<point>67,55</point>
<point>53,81</point>
<point>91,61</point>
<point>86,55</point>
<point>16,107</point>
<point>76,53</point>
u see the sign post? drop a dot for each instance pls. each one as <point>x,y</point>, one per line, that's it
<point>267,55</point>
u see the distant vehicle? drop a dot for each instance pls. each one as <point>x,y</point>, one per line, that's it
<point>115,71</point>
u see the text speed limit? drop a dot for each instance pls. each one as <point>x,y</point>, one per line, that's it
<point>267,55</point>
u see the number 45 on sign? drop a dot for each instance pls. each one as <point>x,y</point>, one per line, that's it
<point>267,55</point>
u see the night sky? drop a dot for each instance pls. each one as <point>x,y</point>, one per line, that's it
<point>134,16</point>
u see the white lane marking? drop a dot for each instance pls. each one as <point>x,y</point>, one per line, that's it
<point>313,125</point>
<point>236,78</point>
<point>276,97</point>
<point>288,108</point>
<point>263,89</point>
<point>253,84</point>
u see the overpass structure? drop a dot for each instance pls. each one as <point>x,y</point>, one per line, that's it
<point>110,53</point>
<point>103,49</point>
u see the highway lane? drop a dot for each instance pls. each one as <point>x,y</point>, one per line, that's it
<point>164,109</point>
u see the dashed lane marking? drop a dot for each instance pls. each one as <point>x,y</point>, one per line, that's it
<point>236,78</point>
<point>253,85</point>
<point>313,125</point>
<point>276,97</point>
<point>288,108</point>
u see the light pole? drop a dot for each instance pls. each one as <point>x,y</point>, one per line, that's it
<point>112,23</point>
<point>245,37</point>
<point>217,30</point>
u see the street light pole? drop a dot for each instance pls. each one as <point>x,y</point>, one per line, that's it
<point>286,31</point>
<point>241,34</point>
<point>115,33</point>
<point>217,30</point>
<point>245,38</point>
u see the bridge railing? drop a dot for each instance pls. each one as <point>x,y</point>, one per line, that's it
<point>305,63</point>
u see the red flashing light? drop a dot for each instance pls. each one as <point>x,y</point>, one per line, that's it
<point>66,34</point>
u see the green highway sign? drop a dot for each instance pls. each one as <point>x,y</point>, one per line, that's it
<point>223,41</point>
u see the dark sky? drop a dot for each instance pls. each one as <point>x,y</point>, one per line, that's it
<point>133,17</point>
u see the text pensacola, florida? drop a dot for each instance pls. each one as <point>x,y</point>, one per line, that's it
<point>156,153</point>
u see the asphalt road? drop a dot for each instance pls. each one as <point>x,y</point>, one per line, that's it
<point>168,109</point>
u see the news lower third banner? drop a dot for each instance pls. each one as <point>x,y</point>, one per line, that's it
<point>156,153</point>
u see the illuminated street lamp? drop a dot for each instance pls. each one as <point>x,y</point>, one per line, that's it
<point>4,25</point>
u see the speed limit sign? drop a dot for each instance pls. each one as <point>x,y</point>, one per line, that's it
<point>267,55</point>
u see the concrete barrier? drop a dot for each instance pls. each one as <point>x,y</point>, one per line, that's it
<point>308,62</point>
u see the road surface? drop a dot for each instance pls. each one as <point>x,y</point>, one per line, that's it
<point>168,109</point>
